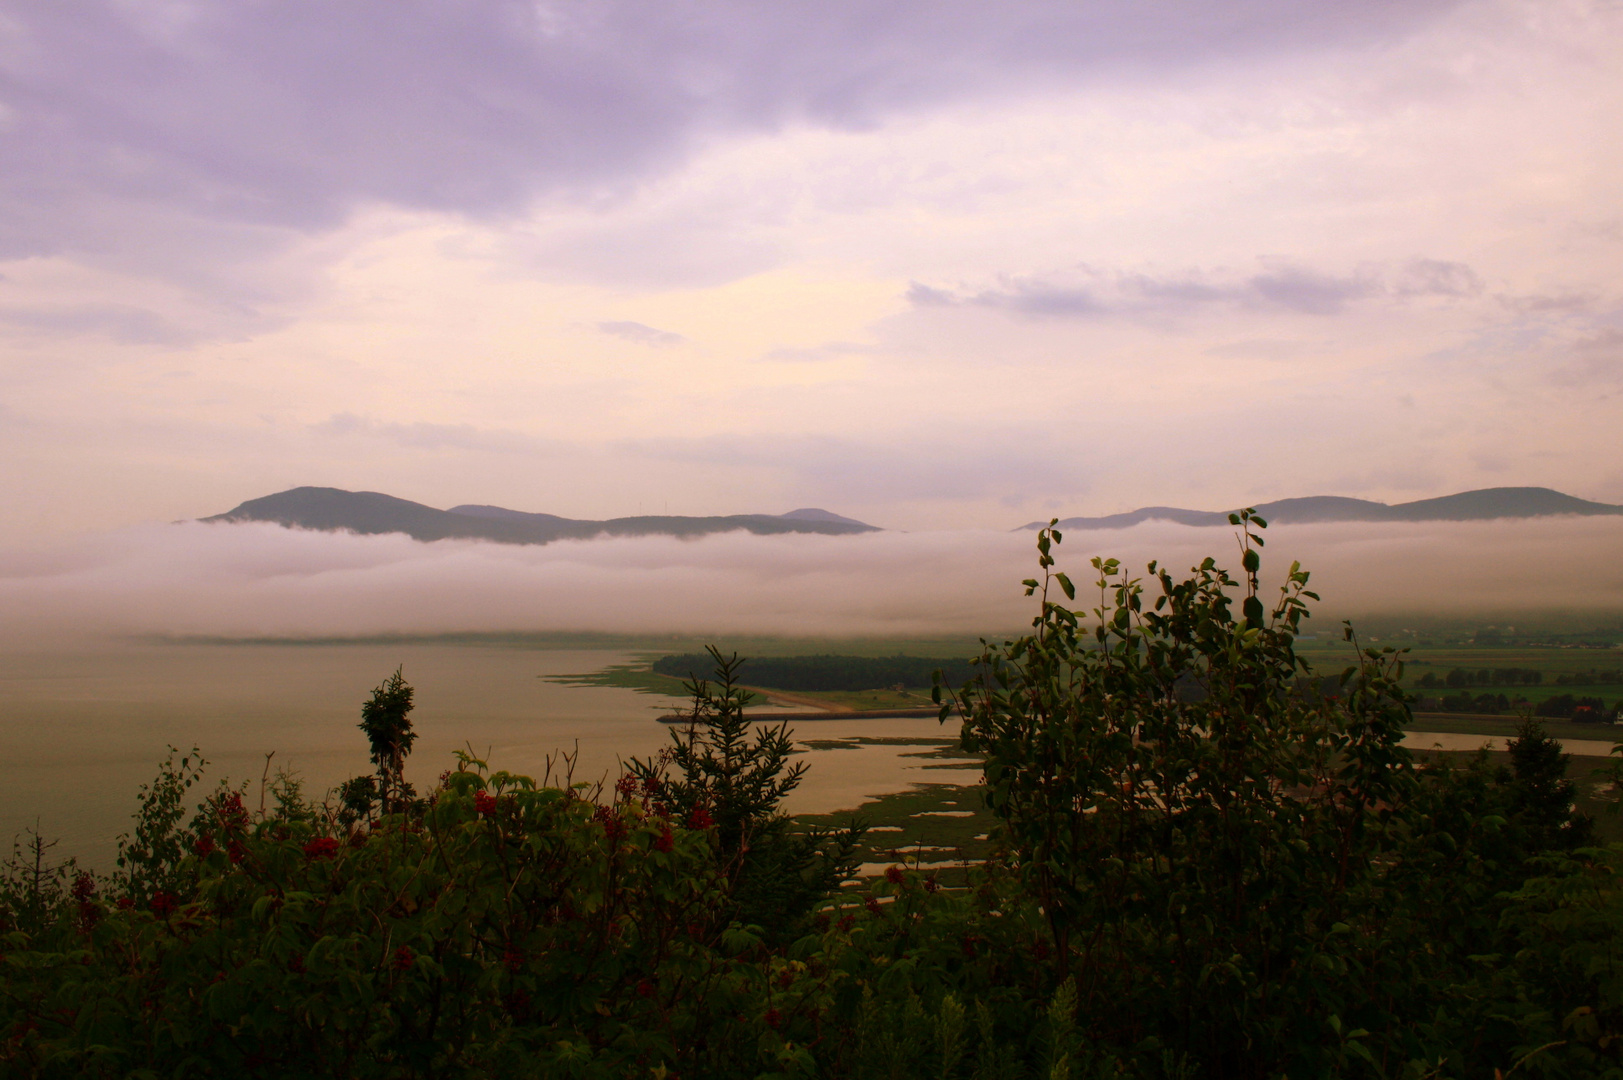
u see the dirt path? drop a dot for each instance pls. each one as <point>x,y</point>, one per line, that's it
<point>779,697</point>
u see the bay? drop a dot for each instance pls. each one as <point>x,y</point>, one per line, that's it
<point>82,729</point>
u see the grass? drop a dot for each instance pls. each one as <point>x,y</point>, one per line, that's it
<point>929,824</point>
<point>1505,726</point>
<point>637,676</point>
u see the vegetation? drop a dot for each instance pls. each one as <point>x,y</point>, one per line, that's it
<point>1201,866</point>
<point>826,672</point>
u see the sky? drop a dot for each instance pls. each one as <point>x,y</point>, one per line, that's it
<point>934,265</point>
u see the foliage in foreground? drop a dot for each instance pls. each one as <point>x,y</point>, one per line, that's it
<point>1209,868</point>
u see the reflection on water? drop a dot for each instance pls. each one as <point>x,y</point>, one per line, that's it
<point>80,732</point>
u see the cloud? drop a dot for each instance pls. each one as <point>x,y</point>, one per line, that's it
<point>260,580</point>
<point>290,115</point>
<point>124,324</point>
<point>1087,292</point>
<point>638,333</point>
<point>427,436</point>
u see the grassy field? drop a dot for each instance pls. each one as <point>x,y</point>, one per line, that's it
<point>1505,727</point>
<point>636,675</point>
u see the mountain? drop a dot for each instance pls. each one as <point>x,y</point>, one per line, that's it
<point>1484,505</point>
<point>811,513</point>
<point>371,513</point>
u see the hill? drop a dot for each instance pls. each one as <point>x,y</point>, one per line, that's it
<point>373,513</point>
<point>1483,505</point>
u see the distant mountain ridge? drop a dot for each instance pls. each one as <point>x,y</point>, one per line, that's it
<point>1485,504</point>
<point>373,513</point>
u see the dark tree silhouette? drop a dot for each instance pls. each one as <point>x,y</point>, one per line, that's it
<point>386,720</point>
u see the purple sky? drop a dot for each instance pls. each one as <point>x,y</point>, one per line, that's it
<point>928,264</point>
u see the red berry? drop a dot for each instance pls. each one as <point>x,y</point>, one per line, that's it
<point>484,803</point>
<point>894,875</point>
<point>322,847</point>
<point>403,958</point>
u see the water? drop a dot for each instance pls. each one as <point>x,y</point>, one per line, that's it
<point>1443,740</point>
<point>80,731</point>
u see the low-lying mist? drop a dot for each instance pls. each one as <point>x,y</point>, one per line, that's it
<point>257,580</point>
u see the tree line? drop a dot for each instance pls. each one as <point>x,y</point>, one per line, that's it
<point>826,672</point>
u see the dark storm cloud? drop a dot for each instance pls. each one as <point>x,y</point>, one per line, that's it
<point>288,115</point>
<point>1280,286</point>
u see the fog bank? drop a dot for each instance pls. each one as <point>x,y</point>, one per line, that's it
<point>257,580</point>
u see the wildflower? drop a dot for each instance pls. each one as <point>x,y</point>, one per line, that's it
<point>295,964</point>
<point>232,813</point>
<point>236,852</point>
<point>125,903</point>
<point>701,819</point>
<point>645,989</point>
<point>872,904</point>
<point>931,884</point>
<point>484,803</point>
<point>894,875</point>
<point>162,904</point>
<point>84,887</point>
<point>203,846</point>
<point>666,840</point>
<point>626,786</point>
<point>773,1019</point>
<point>322,847</point>
<point>403,959</point>
<point>610,820</point>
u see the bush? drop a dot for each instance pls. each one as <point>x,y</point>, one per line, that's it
<point>1207,866</point>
